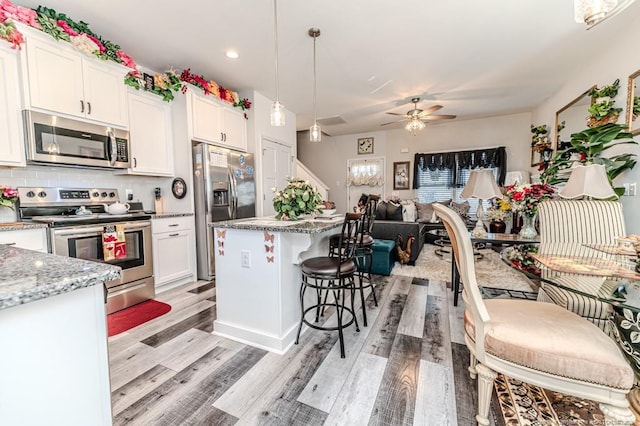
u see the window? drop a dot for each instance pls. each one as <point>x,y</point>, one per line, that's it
<point>442,176</point>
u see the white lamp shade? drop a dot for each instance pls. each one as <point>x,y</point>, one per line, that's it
<point>481,184</point>
<point>315,134</point>
<point>590,181</point>
<point>516,177</point>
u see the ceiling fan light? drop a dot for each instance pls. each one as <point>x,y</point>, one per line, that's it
<point>592,12</point>
<point>415,126</point>
<point>315,133</point>
<point>277,114</point>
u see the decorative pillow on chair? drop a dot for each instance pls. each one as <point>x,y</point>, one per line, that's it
<point>394,211</point>
<point>462,209</point>
<point>425,212</point>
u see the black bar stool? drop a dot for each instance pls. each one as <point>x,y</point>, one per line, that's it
<point>335,275</point>
<point>363,252</point>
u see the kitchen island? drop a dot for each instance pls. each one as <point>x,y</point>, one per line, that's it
<point>54,361</point>
<point>258,276</point>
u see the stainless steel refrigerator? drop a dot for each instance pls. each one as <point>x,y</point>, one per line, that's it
<point>224,189</point>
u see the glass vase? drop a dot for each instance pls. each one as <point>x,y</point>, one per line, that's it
<point>528,230</point>
<point>8,215</point>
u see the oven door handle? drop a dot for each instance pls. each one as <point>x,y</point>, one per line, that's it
<point>97,230</point>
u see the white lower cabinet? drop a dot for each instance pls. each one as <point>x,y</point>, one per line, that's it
<point>30,239</point>
<point>174,251</point>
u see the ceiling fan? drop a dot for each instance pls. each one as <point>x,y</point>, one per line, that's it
<point>419,115</point>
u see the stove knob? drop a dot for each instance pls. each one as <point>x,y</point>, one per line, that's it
<point>31,194</point>
<point>112,194</point>
<point>103,195</point>
<point>42,194</point>
<point>96,194</point>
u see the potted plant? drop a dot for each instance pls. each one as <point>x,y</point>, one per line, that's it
<point>588,146</point>
<point>602,109</point>
<point>296,199</point>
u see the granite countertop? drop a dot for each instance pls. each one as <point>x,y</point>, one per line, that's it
<point>169,214</point>
<point>27,276</point>
<point>22,225</point>
<point>308,226</point>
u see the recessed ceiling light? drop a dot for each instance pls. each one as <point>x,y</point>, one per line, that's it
<point>231,54</point>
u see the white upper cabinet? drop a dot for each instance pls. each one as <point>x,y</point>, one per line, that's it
<point>212,121</point>
<point>150,135</point>
<point>62,80</point>
<point>11,134</point>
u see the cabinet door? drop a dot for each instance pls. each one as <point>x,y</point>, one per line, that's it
<point>30,239</point>
<point>173,254</point>
<point>205,119</point>
<point>105,94</point>
<point>11,135</point>
<point>235,129</point>
<point>150,135</point>
<point>55,78</point>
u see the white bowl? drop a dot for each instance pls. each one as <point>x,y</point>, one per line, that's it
<point>327,212</point>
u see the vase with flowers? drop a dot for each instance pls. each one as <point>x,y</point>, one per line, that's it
<point>8,199</point>
<point>296,199</point>
<point>497,213</point>
<point>524,199</point>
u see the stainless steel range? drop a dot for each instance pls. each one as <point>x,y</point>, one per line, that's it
<point>77,218</point>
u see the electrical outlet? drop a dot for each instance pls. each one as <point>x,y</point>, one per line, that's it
<point>128,194</point>
<point>245,259</point>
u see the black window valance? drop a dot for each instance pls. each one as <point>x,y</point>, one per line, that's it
<point>456,160</point>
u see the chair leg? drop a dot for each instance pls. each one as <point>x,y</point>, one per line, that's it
<point>373,290</point>
<point>472,366</point>
<point>361,289</point>
<point>617,415</point>
<point>353,294</point>
<point>339,312</point>
<point>486,377</point>
<point>303,287</point>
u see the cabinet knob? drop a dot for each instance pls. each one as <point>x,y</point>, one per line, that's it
<point>173,235</point>
<point>82,106</point>
<point>88,107</point>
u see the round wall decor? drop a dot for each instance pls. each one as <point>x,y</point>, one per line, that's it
<point>179,188</point>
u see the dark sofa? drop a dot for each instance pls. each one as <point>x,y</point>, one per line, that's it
<point>390,229</point>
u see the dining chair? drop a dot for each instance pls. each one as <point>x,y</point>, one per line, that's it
<point>564,224</point>
<point>538,343</point>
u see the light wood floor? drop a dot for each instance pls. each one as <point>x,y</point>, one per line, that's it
<point>398,371</point>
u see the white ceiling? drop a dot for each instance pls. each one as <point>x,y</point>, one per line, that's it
<point>476,58</point>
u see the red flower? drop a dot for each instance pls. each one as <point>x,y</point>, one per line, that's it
<point>66,28</point>
<point>97,42</point>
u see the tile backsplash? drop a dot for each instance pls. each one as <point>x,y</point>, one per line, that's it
<point>49,176</point>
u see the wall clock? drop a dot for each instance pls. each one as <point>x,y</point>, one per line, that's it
<point>179,188</point>
<point>365,146</point>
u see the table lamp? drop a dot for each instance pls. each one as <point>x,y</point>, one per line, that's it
<point>516,177</point>
<point>481,185</point>
<point>589,181</point>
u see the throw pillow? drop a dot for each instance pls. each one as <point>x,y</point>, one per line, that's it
<point>425,212</point>
<point>409,211</point>
<point>394,211</point>
<point>461,208</point>
<point>381,211</point>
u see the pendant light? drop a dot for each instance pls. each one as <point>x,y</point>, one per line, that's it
<point>592,12</point>
<point>315,133</point>
<point>277,109</point>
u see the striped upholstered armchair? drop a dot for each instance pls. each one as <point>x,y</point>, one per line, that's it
<point>567,222</point>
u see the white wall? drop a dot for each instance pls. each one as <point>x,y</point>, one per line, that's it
<point>328,159</point>
<point>619,60</point>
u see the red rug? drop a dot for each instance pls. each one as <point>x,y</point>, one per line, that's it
<point>121,321</point>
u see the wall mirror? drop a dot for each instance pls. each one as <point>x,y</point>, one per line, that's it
<point>572,118</point>
<point>633,103</point>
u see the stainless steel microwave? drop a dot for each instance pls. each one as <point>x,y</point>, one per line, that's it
<point>67,142</point>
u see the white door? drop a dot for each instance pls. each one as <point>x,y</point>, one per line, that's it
<point>235,129</point>
<point>364,177</point>
<point>105,96</point>
<point>277,165</point>
<point>11,136</point>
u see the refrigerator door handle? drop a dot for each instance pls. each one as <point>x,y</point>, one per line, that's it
<point>232,201</point>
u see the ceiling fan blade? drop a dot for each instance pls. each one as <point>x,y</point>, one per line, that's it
<point>438,117</point>
<point>395,113</point>
<point>430,110</point>
<point>392,122</point>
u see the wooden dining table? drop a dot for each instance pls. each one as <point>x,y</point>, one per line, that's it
<point>600,272</point>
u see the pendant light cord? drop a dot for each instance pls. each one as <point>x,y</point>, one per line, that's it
<point>275,23</point>
<point>314,80</point>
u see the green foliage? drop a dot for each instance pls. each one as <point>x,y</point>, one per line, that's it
<point>636,105</point>
<point>600,110</point>
<point>588,146</point>
<point>296,199</point>
<point>607,91</point>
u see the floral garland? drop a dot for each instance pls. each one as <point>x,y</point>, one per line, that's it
<point>61,27</point>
